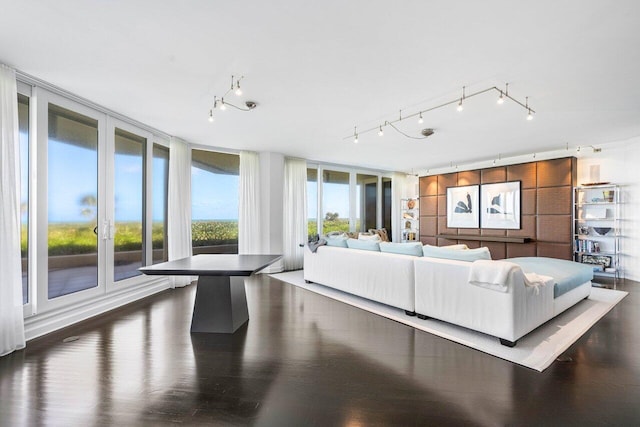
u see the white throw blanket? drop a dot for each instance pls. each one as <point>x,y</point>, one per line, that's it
<point>536,280</point>
<point>495,275</point>
<point>491,274</point>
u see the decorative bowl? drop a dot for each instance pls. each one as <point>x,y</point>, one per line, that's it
<point>602,230</point>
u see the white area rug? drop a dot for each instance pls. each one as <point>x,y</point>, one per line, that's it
<point>536,350</point>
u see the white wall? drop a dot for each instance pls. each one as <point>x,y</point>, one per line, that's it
<point>619,164</point>
<point>271,199</point>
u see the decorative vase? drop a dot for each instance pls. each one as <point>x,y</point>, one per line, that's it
<point>411,203</point>
<point>608,195</point>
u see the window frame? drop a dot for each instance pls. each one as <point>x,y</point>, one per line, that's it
<point>353,172</point>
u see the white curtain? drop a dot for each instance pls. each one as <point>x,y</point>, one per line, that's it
<point>249,215</point>
<point>294,213</point>
<point>11,317</point>
<point>398,192</point>
<point>179,206</point>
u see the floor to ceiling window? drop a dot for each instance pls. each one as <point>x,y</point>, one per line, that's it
<point>214,201</point>
<point>23,125</point>
<point>349,200</point>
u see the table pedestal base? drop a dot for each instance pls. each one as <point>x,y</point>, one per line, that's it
<point>220,305</point>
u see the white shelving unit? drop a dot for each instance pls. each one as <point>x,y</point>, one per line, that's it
<point>410,219</point>
<point>597,229</point>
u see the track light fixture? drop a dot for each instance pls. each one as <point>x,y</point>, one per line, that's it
<point>355,134</point>
<point>460,107</point>
<point>506,93</point>
<point>503,96</point>
<point>221,103</point>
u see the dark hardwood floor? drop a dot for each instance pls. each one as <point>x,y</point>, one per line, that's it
<point>305,360</point>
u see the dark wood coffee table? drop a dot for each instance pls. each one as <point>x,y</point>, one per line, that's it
<point>221,301</point>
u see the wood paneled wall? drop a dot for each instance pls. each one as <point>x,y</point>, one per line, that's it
<point>546,194</point>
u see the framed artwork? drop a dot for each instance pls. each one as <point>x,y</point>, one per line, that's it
<point>463,206</point>
<point>500,205</point>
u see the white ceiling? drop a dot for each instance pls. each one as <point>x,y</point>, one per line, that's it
<point>319,68</point>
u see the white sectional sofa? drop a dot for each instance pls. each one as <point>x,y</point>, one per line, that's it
<point>379,276</point>
<point>439,288</point>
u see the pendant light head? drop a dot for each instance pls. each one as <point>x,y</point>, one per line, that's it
<point>421,120</point>
<point>460,107</point>
<point>530,115</point>
<point>501,98</point>
<point>380,133</point>
<point>355,134</point>
<point>238,90</point>
<point>210,115</point>
<point>222,106</point>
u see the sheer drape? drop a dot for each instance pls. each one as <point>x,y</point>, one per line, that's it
<point>294,213</point>
<point>398,184</point>
<point>11,317</point>
<point>179,206</point>
<point>249,216</point>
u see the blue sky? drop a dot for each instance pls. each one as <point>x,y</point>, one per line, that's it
<point>73,175</point>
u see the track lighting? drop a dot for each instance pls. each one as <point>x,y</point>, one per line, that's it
<point>220,103</point>
<point>355,135</point>
<point>503,95</point>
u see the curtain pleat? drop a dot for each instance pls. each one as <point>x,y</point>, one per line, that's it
<point>249,215</point>
<point>294,215</point>
<point>11,314</point>
<point>179,206</point>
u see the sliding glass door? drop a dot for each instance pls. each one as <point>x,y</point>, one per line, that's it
<point>72,202</point>
<point>95,196</point>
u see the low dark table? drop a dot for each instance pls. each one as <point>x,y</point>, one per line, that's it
<point>221,301</point>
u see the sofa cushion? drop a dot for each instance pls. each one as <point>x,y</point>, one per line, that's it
<point>568,275</point>
<point>414,249</point>
<point>365,245</point>
<point>456,254</point>
<point>336,239</point>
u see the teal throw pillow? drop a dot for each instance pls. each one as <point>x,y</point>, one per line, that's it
<point>365,245</point>
<point>414,249</point>
<point>336,239</point>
